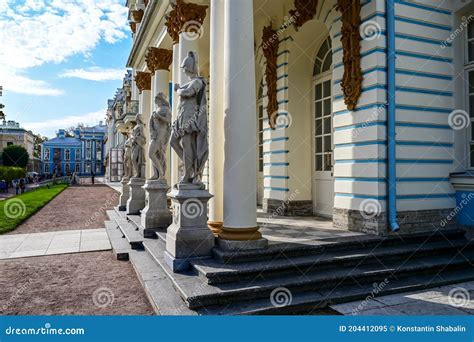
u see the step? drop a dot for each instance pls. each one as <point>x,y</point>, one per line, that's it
<point>290,250</point>
<point>113,214</point>
<point>197,293</point>
<point>215,272</point>
<point>120,246</point>
<point>130,233</point>
<point>158,287</point>
<point>311,302</point>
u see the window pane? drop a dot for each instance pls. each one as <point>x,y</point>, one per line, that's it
<point>471,30</point>
<point>327,162</point>
<point>327,144</point>
<point>327,107</point>
<point>471,105</point>
<point>470,49</point>
<point>472,155</point>
<point>327,89</point>
<point>319,109</point>
<point>317,67</point>
<point>319,163</point>
<point>319,145</point>
<point>318,92</point>
<point>327,125</point>
<point>327,62</point>
<point>471,82</point>
<point>472,131</point>
<point>319,127</point>
<point>323,50</point>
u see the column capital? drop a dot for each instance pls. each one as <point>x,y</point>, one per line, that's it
<point>143,81</point>
<point>133,27</point>
<point>185,17</point>
<point>304,11</point>
<point>158,59</point>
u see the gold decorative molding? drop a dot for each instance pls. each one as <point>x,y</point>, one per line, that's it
<point>133,27</point>
<point>240,234</point>
<point>270,45</point>
<point>143,81</point>
<point>158,59</point>
<point>304,11</point>
<point>137,15</point>
<point>185,17</point>
<point>352,79</point>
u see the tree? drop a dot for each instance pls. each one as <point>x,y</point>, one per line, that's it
<point>15,155</point>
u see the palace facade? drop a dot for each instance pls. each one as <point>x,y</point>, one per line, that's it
<point>81,152</point>
<point>360,111</point>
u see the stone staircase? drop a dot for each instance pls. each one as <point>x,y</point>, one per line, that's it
<point>305,278</point>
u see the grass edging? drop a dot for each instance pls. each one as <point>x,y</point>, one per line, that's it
<point>16,210</point>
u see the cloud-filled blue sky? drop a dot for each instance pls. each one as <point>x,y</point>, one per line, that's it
<point>61,60</point>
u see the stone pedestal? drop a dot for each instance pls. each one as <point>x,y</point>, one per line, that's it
<point>156,216</point>
<point>136,202</point>
<point>125,194</point>
<point>188,237</point>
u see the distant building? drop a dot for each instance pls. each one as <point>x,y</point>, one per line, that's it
<point>11,133</point>
<point>82,153</point>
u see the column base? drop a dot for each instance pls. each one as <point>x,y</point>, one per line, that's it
<point>136,202</point>
<point>215,227</point>
<point>125,194</point>
<point>241,239</point>
<point>156,217</point>
<point>188,237</point>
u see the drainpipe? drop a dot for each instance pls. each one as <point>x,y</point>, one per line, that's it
<point>391,133</point>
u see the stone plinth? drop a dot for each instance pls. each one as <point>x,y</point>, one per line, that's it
<point>136,202</point>
<point>188,237</point>
<point>156,216</point>
<point>125,194</point>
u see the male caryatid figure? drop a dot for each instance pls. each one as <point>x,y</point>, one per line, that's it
<point>189,131</point>
<point>138,143</point>
<point>127,158</point>
<point>160,132</point>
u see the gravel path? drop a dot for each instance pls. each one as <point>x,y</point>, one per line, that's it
<point>77,207</point>
<point>71,284</point>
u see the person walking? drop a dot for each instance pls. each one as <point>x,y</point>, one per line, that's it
<point>93,177</point>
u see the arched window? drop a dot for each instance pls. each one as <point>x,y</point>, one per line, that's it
<point>323,59</point>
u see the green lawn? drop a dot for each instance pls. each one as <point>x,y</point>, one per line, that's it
<point>16,210</point>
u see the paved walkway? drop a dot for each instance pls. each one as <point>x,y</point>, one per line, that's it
<point>457,299</point>
<point>49,243</point>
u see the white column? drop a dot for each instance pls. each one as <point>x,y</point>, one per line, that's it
<point>145,110</point>
<point>216,117</point>
<point>240,174</point>
<point>174,107</point>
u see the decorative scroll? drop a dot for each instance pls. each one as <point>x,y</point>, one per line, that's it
<point>133,27</point>
<point>158,59</point>
<point>304,11</point>
<point>270,44</point>
<point>137,15</point>
<point>143,81</point>
<point>185,17</point>
<point>352,80</point>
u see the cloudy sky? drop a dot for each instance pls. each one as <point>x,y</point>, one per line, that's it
<point>60,60</point>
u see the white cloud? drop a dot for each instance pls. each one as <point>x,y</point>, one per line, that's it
<point>95,74</point>
<point>36,32</point>
<point>49,127</point>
